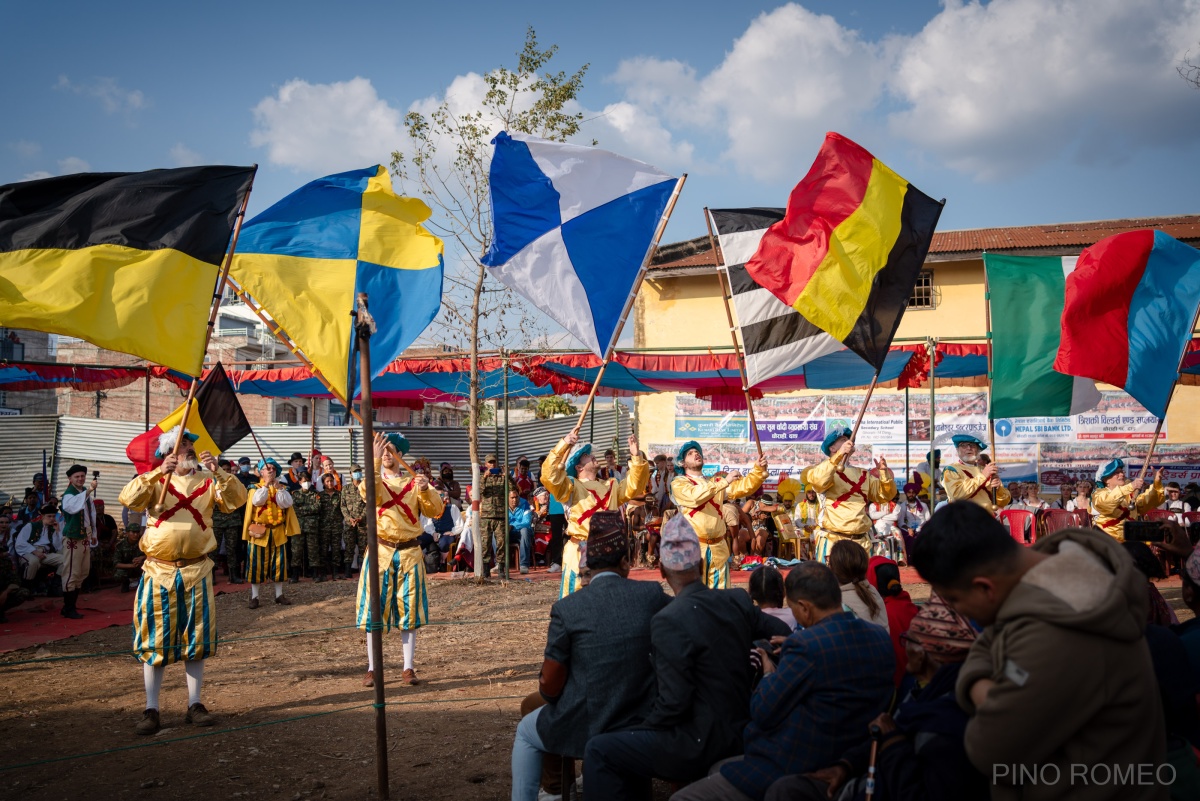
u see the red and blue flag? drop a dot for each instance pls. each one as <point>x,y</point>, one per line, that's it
<point>1130,306</point>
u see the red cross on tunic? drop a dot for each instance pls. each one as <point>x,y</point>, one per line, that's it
<point>711,501</point>
<point>185,504</point>
<point>398,500</point>
<point>601,503</point>
<point>981,488</point>
<point>855,487</point>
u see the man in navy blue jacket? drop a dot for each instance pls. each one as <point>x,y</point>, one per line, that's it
<point>834,677</point>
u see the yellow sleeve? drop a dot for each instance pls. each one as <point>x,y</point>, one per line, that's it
<point>958,486</point>
<point>362,487</point>
<point>232,493</point>
<point>1151,498</point>
<point>634,483</point>
<point>1003,497</point>
<point>882,489</point>
<point>430,503</point>
<point>820,477</point>
<point>1108,501</point>
<point>554,472</point>
<point>140,493</point>
<point>747,484</point>
<point>693,495</point>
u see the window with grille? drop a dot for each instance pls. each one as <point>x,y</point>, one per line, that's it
<point>285,413</point>
<point>924,296</point>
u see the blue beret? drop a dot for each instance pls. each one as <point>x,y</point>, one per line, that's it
<point>269,461</point>
<point>1105,472</point>
<point>833,436</point>
<point>576,455</point>
<point>967,439</point>
<point>399,442</point>
<point>684,448</point>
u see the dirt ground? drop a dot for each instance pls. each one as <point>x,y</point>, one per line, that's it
<point>449,738</point>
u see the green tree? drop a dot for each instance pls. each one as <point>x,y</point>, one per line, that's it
<point>553,405</point>
<point>446,162</point>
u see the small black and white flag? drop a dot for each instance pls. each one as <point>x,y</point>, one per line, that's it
<point>776,337</point>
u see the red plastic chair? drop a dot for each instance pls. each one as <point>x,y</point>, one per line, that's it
<point>1057,519</point>
<point>1020,524</point>
<point>1191,517</point>
<point>1158,514</point>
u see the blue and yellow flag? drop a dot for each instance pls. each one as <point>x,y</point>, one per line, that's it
<point>306,258</point>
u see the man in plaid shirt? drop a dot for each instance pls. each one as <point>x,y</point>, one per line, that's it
<point>834,677</point>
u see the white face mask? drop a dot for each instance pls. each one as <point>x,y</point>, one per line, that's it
<point>357,476</point>
<point>305,485</point>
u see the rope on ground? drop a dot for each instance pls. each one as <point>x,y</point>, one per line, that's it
<point>226,641</point>
<point>151,744</point>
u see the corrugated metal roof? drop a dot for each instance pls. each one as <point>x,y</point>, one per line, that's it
<point>23,439</point>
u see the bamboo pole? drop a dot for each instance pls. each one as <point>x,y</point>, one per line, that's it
<point>363,328</point>
<point>863,409</point>
<point>741,358</point>
<point>931,343</point>
<point>637,285</point>
<point>219,292</point>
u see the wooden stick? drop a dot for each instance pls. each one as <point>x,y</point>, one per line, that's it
<point>863,409</point>
<point>363,330</point>
<point>737,348</point>
<point>160,505</point>
<point>637,285</point>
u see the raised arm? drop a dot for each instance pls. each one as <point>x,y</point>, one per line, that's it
<point>554,472</point>
<point>140,493</point>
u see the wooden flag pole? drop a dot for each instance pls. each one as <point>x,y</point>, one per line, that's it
<point>364,327</point>
<point>612,345</point>
<point>863,409</point>
<point>719,262</point>
<point>160,505</point>
<point>1170,395</point>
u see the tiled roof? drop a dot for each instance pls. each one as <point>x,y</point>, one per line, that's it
<point>1054,237</point>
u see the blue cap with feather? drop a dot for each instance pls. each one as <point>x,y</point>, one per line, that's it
<point>833,436</point>
<point>573,460</point>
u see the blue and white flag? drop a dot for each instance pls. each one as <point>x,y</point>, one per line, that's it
<point>572,227</point>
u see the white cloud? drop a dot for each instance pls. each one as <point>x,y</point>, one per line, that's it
<point>985,89</point>
<point>325,128</point>
<point>112,96</point>
<point>37,175</point>
<point>183,156</point>
<point>633,131</point>
<point>1004,87</point>
<point>25,148</point>
<point>73,164</point>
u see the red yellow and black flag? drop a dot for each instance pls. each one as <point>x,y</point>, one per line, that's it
<point>849,250</point>
<point>217,420</point>
<point>127,261</point>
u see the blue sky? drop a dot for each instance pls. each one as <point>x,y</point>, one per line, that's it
<point>1016,111</point>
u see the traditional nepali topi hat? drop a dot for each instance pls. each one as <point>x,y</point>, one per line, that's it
<point>968,439</point>
<point>576,455</point>
<point>679,548</point>
<point>166,442</point>
<point>606,535</point>
<point>833,436</point>
<point>941,631</point>
<point>1109,470</point>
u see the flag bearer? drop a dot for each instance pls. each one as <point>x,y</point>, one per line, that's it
<point>1114,501</point>
<point>846,492</point>
<point>968,481</point>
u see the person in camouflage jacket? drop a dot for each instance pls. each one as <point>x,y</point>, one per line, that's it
<point>331,525</point>
<point>127,552</point>
<point>354,518</point>
<point>227,528</point>
<point>307,503</point>
<point>493,513</point>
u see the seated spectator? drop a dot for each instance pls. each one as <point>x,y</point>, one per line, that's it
<point>789,489</point>
<point>920,756</point>
<point>443,530</point>
<point>849,563</point>
<point>39,544</point>
<point>884,576</point>
<point>1191,495</point>
<point>1082,502</point>
<point>1066,492</point>
<point>597,675</point>
<point>1175,503</point>
<point>520,525</point>
<point>885,529</point>
<point>1161,613</point>
<point>700,646</point>
<point>128,557</point>
<point>11,592</point>
<point>1060,675</point>
<point>766,590</point>
<point>733,516</point>
<point>834,676</point>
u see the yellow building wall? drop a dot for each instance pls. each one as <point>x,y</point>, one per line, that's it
<point>687,311</point>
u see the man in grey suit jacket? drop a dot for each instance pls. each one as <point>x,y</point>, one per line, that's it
<point>596,676</point>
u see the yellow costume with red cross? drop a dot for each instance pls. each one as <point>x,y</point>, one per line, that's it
<point>403,599</point>
<point>582,499</point>
<point>1114,505</point>
<point>966,482</point>
<point>846,492</point>
<point>174,616</point>
<point>699,501</point>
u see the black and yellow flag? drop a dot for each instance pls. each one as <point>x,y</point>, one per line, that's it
<point>127,261</point>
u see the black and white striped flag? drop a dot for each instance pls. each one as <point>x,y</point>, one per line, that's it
<point>776,337</point>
